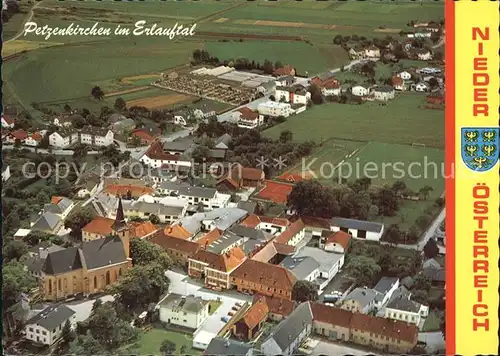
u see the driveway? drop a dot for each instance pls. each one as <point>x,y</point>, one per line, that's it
<point>82,308</point>
<point>182,284</point>
<point>327,348</point>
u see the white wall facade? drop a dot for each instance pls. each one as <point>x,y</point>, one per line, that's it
<point>41,335</point>
<point>185,319</point>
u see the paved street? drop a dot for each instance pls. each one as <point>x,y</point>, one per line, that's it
<point>337,349</point>
<point>82,308</point>
<point>181,284</point>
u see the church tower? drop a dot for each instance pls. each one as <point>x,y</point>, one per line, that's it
<point>121,228</point>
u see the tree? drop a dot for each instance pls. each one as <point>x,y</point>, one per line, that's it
<point>424,192</point>
<point>316,96</point>
<point>154,219</point>
<point>80,150</point>
<point>68,335</point>
<point>167,347</point>
<point>77,221</point>
<point>42,197</point>
<point>15,281</point>
<point>142,285</point>
<point>388,202</point>
<point>431,249</point>
<point>310,198</point>
<point>286,136</point>
<point>420,296</point>
<point>268,67</point>
<point>14,250</point>
<point>12,221</point>
<point>423,221</point>
<point>278,64</point>
<point>144,252</point>
<point>399,187</point>
<point>422,282</point>
<point>97,93</point>
<point>304,291</point>
<point>394,234</point>
<point>87,345</point>
<point>363,269</point>
<point>120,104</point>
<point>200,154</point>
<point>337,40</point>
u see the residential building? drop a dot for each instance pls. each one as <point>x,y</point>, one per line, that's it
<point>279,308</point>
<point>274,109</point>
<point>303,268</point>
<point>248,119</point>
<point>358,228</point>
<point>7,122</point>
<point>96,136</point>
<point>90,267</point>
<point>185,311</point>
<point>242,177</point>
<point>295,94</point>
<point>336,242</point>
<point>383,334</point>
<point>384,93</point>
<point>286,70</point>
<point>222,143</point>
<point>215,269</point>
<point>284,80</point>
<point>33,139</point>
<point>221,346</point>
<point>248,326</point>
<point>66,120</point>
<point>179,250</point>
<point>64,138</point>
<point>100,228</point>
<point>272,225</point>
<point>404,75</point>
<point>87,185</point>
<point>331,88</point>
<point>156,157</point>
<point>221,219</point>
<point>209,198</point>
<point>385,287</point>
<point>178,146</point>
<point>145,135</point>
<point>5,173</point>
<point>294,234</point>
<point>424,54</point>
<point>330,322</point>
<point>398,83</point>
<point>127,192</point>
<point>123,127</point>
<point>290,333</point>
<point>46,327</point>
<point>372,52</point>
<point>60,206</point>
<point>259,277</point>
<point>360,90</point>
<point>177,230</point>
<point>422,87</point>
<point>14,136</point>
<point>360,300</point>
<point>47,222</point>
<point>404,309</point>
<point>167,213</point>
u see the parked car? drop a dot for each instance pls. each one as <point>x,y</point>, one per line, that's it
<point>225,318</point>
<point>235,308</point>
<point>230,314</point>
<point>239,304</point>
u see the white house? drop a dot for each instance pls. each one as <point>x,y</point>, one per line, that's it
<point>63,138</point>
<point>424,55</point>
<point>7,122</point>
<point>179,120</point>
<point>384,93</point>
<point>337,242</point>
<point>404,75</point>
<point>285,80</point>
<point>5,173</point>
<point>295,94</point>
<point>62,121</point>
<point>274,109</point>
<point>250,120</point>
<point>360,90</point>
<point>422,87</point>
<point>293,234</point>
<point>156,157</point>
<point>385,288</point>
<point>358,229</point>
<point>290,333</point>
<point>97,136</point>
<point>404,309</point>
<point>47,326</point>
<point>189,312</point>
<point>33,139</point>
<point>331,88</point>
<point>372,52</point>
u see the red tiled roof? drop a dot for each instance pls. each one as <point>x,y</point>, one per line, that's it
<point>276,305</point>
<point>99,225</point>
<point>173,243</point>
<point>252,173</point>
<point>255,314</point>
<point>331,84</point>
<point>265,274</point>
<point>397,80</point>
<point>209,238</point>
<point>124,190</point>
<point>275,221</point>
<point>314,222</point>
<point>285,70</point>
<point>142,229</point>
<point>252,220</point>
<point>56,199</point>
<point>284,249</point>
<point>177,231</point>
<point>155,151</point>
<point>275,191</point>
<point>265,253</point>
<point>19,134</point>
<point>36,136</point>
<point>386,327</point>
<point>8,120</point>
<point>331,315</point>
<point>290,232</point>
<point>144,135</point>
<point>224,263</point>
<point>340,237</point>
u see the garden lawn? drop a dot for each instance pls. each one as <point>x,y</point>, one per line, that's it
<point>408,212</point>
<point>403,120</point>
<point>433,321</point>
<point>150,342</point>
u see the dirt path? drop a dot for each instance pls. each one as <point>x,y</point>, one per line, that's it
<point>32,13</point>
<point>126,91</point>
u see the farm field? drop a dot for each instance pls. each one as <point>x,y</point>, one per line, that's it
<point>401,121</point>
<point>416,166</point>
<point>304,57</point>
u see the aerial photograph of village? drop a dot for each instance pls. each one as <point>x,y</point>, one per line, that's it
<point>229,177</point>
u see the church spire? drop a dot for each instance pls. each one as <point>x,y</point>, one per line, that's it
<point>119,223</point>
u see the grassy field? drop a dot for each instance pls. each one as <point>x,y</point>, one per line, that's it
<point>150,342</point>
<point>401,121</point>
